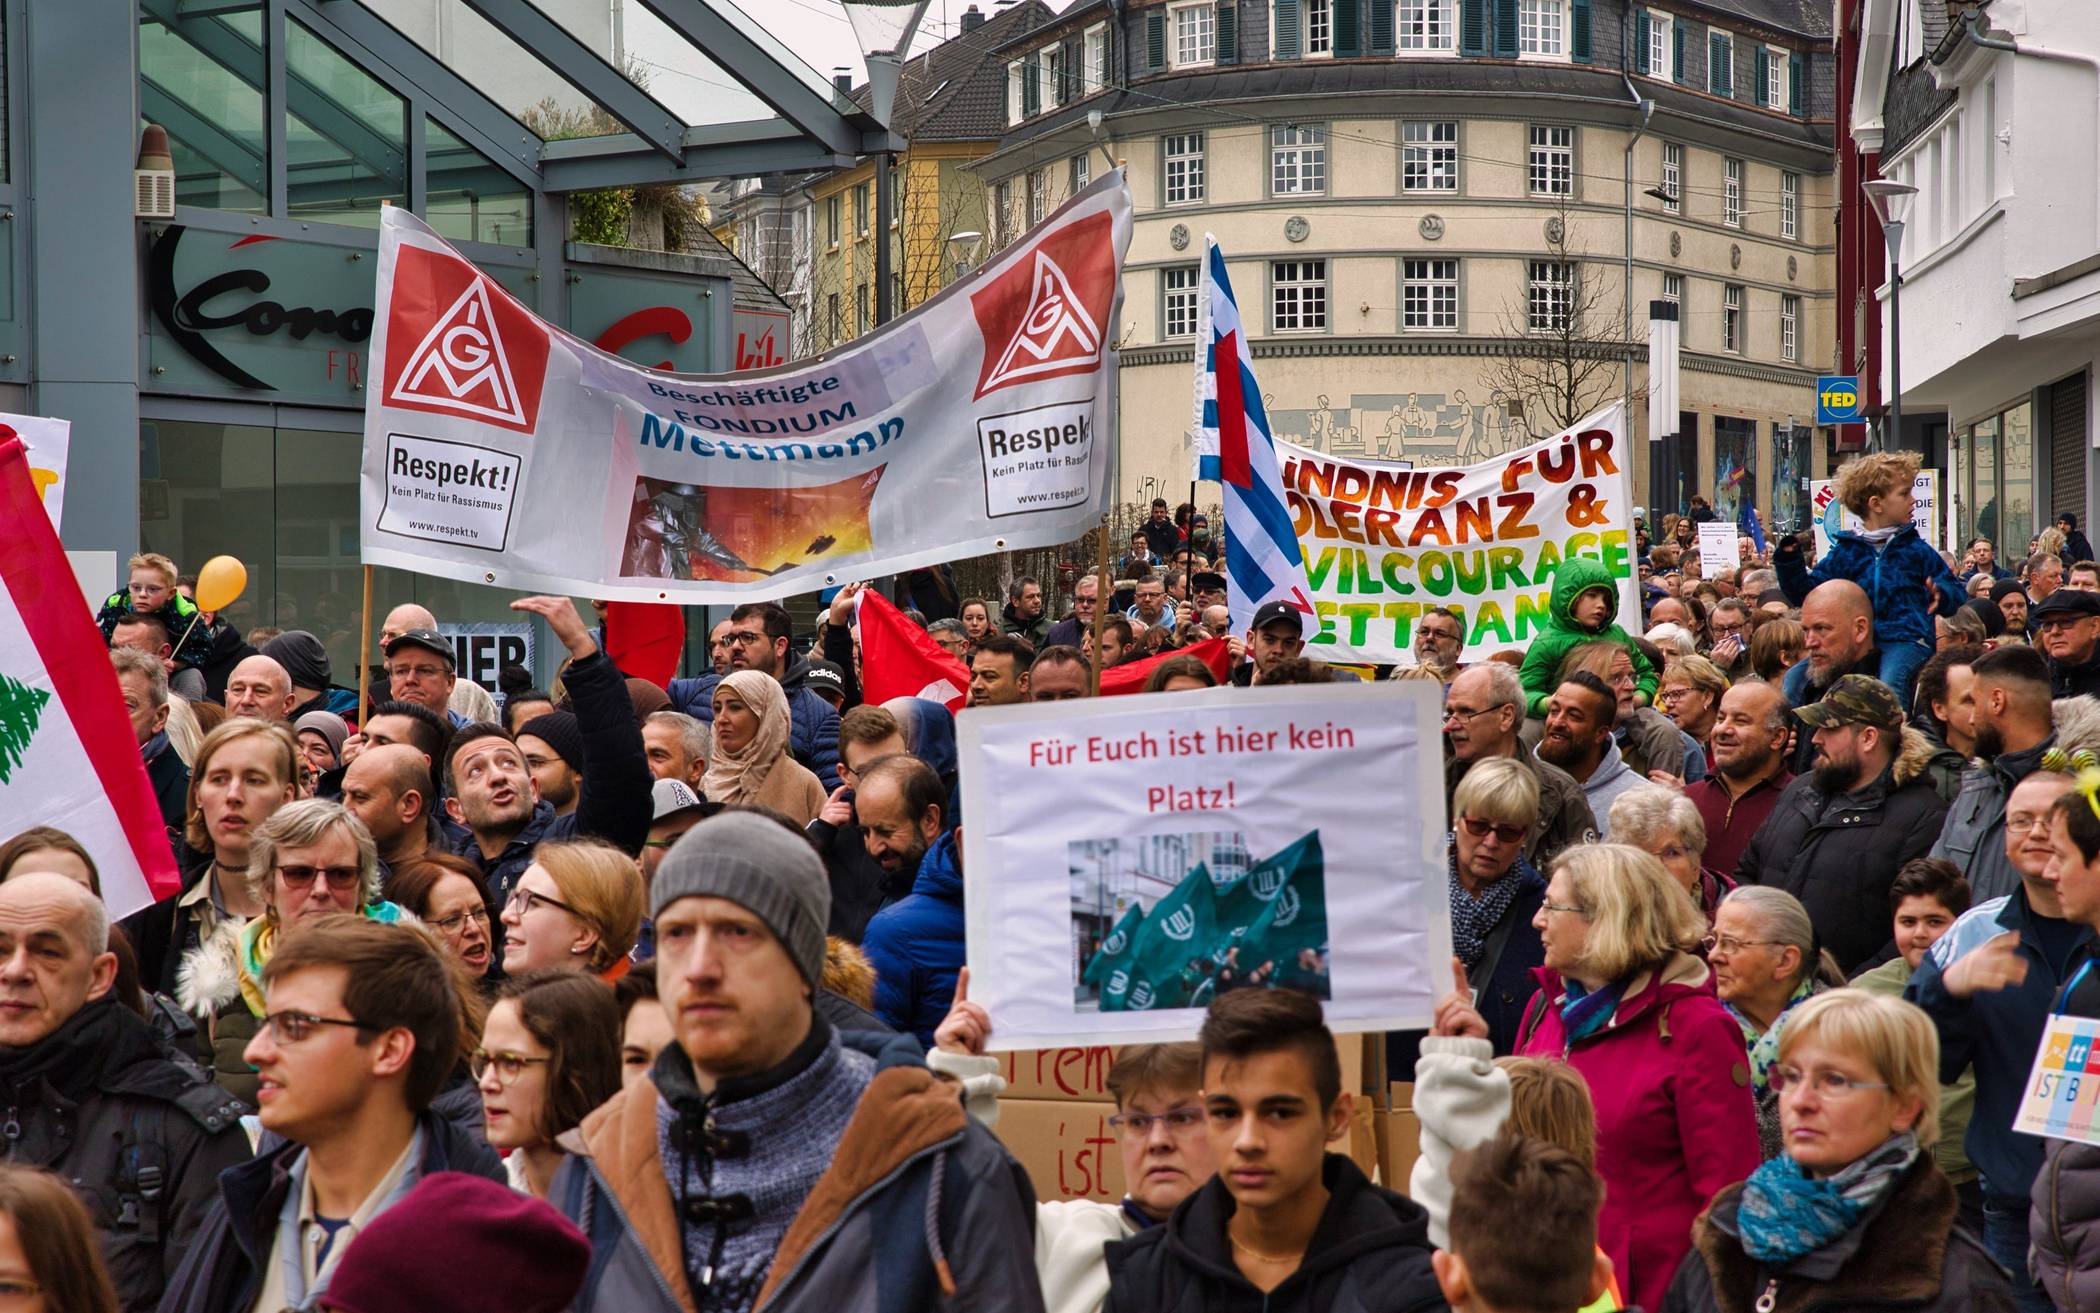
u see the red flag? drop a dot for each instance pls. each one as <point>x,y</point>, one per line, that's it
<point>1131,677</point>
<point>900,660</point>
<point>644,639</point>
<point>67,754</point>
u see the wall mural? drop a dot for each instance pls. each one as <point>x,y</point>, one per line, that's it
<point>1425,428</point>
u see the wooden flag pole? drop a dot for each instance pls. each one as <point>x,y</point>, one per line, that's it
<point>1100,606</point>
<point>364,653</point>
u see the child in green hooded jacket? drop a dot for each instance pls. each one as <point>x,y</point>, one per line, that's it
<point>1585,607</point>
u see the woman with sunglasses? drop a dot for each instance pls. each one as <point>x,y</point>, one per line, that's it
<point>1854,1213</point>
<point>578,907</point>
<point>311,859</point>
<point>1495,893</point>
<point>445,892</point>
<point>549,1055</point>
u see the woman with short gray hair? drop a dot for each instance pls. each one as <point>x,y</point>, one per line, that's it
<point>1665,824</point>
<point>1766,962</point>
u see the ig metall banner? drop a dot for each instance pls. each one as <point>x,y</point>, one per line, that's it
<point>1384,542</point>
<point>501,450</point>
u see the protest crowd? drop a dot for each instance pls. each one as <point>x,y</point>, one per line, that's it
<point>617,996</point>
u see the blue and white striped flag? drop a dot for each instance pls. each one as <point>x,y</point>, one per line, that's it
<point>1234,446</point>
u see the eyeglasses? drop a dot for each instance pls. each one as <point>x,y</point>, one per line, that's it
<point>453,923</point>
<point>509,1066</point>
<point>1178,1121</point>
<point>298,1027</point>
<point>1453,713</point>
<point>145,590</point>
<point>342,879</point>
<point>1480,829</point>
<point>1564,907</point>
<point>526,900</point>
<point>2021,824</point>
<point>1437,635</point>
<point>1827,1084</point>
<point>1731,945</point>
<point>744,638</point>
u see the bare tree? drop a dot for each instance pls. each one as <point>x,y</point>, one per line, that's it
<point>1565,337</point>
<point>652,217</point>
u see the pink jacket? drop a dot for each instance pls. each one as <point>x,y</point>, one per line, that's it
<point>1675,1117</point>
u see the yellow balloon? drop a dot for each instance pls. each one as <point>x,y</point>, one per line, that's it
<point>220,581</point>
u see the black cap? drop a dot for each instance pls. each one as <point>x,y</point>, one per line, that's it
<point>825,678</point>
<point>2066,602</point>
<point>1271,612</point>
<point>428,639</point>
<point>1207,581</point>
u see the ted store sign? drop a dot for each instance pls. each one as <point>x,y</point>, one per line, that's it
<point>257,313</point>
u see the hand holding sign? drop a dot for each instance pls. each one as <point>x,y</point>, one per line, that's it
<point>967,1026</point>
<point>1455,1013</point>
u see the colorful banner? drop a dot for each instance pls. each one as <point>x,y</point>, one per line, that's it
<point>68,758</point>
<point>2063,1090</point>
<point>1384,542</point>
<point>501,450</point>
<point>1219,839</point>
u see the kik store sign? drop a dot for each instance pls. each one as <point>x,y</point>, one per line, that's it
<point>291,321</point>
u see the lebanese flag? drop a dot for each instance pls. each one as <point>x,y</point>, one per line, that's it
<point>68,758</point>
<point>1131,676</point>
<point>900,660</point>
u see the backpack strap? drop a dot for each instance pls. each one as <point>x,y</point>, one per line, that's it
<point>1534,1009</point>
<point>143,1171</point>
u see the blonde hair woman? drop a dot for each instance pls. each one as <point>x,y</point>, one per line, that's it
<point>750,765</point>
<point>1624,1001</point>
<point>1855,1212</point>
<point>1690,694</point>
<point>578,907</point>
<point>1495,892</point>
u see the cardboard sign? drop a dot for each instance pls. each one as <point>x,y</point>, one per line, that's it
<point>2063,1090</point>
<point>1720,547</point>
<point>1081,1074</point>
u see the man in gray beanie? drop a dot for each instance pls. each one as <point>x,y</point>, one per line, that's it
<point>761,1119</point>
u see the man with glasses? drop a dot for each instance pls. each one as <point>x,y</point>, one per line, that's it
<point>360,1032</point>
<point>1160,1134</point>
<point>2015,728</point>
<point>2067,629</point>
<point>140,1135</point>
<point>1076,629</point>
<point>1150,606</point>
<point>1439,637</point>
<point>1728,626</point>
<point>419,669</point>
<point>1482,715</point>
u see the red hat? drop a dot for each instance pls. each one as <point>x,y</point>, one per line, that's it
<point>523,1256</point>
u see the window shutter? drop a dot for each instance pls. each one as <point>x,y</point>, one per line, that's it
<point>1156,39</point>
<point>1506,29</point>
<point>1031,86</point>
<point>1640,42</point>
<point>1473,27</point>
<point>1348,28</point>
<point>1795,101</point>
<point>1719,76</point>
<point>1579,32</point>
<point>1286,20</point>
<point>1764,73</point>
<point>1677,50</point>
<point>1228,34</point>
<point>1382,27</point>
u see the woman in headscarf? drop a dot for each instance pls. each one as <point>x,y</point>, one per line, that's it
<point>750,765</point>
<point>929,733</point>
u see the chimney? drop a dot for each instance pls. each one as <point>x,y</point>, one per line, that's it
<point>842,78</point>
<point>972,19</point>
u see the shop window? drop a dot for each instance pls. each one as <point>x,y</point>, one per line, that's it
<point>1735,466</point>
<point>201,78</point>
<point>469,199</point>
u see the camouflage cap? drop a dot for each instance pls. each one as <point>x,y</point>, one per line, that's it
<point>1856,700</point>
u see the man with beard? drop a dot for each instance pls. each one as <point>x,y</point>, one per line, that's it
<point>916,943</point>
<point>1749,774</point>
<point>2067,629</point>
<point>1077,629</point>
<point>1023,615</point>
<point>2015,726</point>
<point>1837,624</point>
<point>2011,597</point>
<point>1439,637</point>
<point>1578,739</point>
<point>553,748</point>
<point>1482,714</point>
<point>1839,835</point>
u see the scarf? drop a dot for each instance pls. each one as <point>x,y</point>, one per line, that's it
<point>1582,1013</point>
<point>259,939</point>
<point>73,1057</point>
<point>1473,918</point>
<point>1879,537</point>
<point>1785,1213</point>
<point>1764,1048</point>
<point>735,777</point>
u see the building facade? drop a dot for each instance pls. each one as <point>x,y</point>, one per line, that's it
<point>1420,198</point>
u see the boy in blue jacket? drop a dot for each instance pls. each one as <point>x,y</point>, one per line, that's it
<point>1907,581</point>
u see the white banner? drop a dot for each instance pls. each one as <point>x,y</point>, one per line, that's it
<point>1830,516</point>
<point>1126,860</point>
<point>48,441</point>
<point>501,450</point>
<point>1383,541</point>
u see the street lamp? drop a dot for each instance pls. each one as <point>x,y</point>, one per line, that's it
<point>962,248</point>
<point>1891,201</point>
<point>884,29</point>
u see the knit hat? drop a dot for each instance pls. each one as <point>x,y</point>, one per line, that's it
<point>326,724</point>
<point>1984,609</point>
<point>2005,588</point>
<point>560,731</point>
<point>760,865</point>
<point>648,699</point>
<point>521,1255</point>
<point>302,657</point>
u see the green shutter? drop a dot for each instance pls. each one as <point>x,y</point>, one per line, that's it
<point>1677,69</point>
<point>1764,74</point>
<point>1286,34</point>
<point>1156,39</point>
<point>1031,86</point>
<point>1720,70</point>
<point>1640,42</point>
<point>1796,102</point>
<point>1506,29</point>
<point>1348,28</point>
<point>1579,32</point>
<point>1382,42</point>
<point>1228,51</point>
<point>1473,27</point>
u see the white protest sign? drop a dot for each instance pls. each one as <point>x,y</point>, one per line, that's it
<point>1127,859</point>
<point>482,649</point>
<point>2063,1090</point>
<point>1830,517</point>
<point>501,450</point>
<point>1720,547</point>
<point>48,441</point>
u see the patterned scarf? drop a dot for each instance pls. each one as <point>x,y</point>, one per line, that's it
<point>1764,1048</point>
<point>1786,1213</point>
<point>1582,1014</point>
<point>1473,919</point>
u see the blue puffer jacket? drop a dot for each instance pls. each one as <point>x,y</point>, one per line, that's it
<point>813,727</point>
<point>1894,576</point>
<point>916,945</point>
